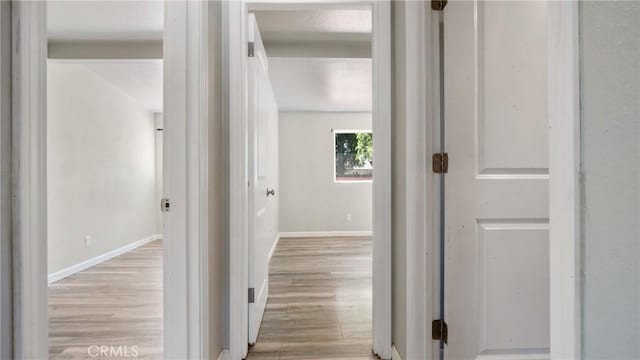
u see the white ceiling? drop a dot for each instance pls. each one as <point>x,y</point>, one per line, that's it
<point>323,72</point>
<point>321,84</point>
<point>140,79</point>
<point>105,20</point>
<point>301,83</point>
<point>100,20</point>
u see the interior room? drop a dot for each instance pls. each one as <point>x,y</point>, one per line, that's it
<point>311,152</point>
<point>319,179</point>
<point>104,178</point>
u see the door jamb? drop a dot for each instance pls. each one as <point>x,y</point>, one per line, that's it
<point>187,119</point>
<point>421,29</point>
<point>564,179</point>
<point>6,321</point>
<point>236,52</point>
<point>381,186</point>
<point>236,49</point>
<point>185,307</point>
<point>29,189</point>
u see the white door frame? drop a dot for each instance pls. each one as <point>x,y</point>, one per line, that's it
<point>421,30</point>
<point>187,115</point>
<point>564,179</point>
<point>29,209</point>
<point>186,276</point>
<point>6,321</point>
<point>236,48</point>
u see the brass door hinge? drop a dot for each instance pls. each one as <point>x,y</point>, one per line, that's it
<point>440,163</point>
<point>438,5</point>
<point>439,330</point>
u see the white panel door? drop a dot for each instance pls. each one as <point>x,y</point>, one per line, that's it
<point>263,177</point>
<point>496,244</point>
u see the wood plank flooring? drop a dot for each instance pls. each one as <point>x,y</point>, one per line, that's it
<point>320,301</point>
<point>319,305</point>
<point>116,303</point>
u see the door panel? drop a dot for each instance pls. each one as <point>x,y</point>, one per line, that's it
<point>511,95</point>
<point>496,236</point>
<point>263,176</point>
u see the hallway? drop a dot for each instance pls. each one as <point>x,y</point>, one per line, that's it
<point>320,300</point>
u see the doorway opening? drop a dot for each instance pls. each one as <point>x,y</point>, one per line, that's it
<point>310,249</point>
<point>104,179</point>
<point>313,131</point>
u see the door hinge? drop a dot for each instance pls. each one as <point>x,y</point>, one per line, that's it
<point>251,49</point>
<point>438,5</point>
<point>165,205</point>
<point>252,295</point>
<point>439,330</point>
<point>440,163</point>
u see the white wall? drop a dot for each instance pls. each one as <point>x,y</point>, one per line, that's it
<point>610,122</point>
<point>101,167</point>
<point>310,199</point>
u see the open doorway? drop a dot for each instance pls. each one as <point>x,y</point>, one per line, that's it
<point>310,163</point>
<point>104,179</point>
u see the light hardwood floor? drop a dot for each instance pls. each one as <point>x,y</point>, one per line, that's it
<point>319,305</point>
<point>320,301</point>
<point>118,303</point>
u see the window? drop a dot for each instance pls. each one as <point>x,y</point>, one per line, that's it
<point>353,155</point>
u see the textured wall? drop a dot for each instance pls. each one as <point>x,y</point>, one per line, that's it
<point>610,121</point>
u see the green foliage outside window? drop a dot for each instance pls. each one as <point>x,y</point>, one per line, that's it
<point>354,155</point>
<point>364,148</point>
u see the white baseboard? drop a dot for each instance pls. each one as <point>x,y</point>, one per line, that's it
<point>394,353</point>
<point>311,234</point>
<point>59,275</point>
<point>273,247</point>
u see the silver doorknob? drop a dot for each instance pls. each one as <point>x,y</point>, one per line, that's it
<point>271,192</point>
